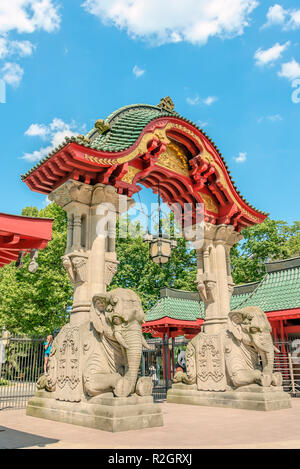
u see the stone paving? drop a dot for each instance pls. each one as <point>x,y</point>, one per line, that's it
<point>184,427</point>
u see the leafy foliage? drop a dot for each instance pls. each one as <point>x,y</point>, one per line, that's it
<point>38,303</point>
<point>269,241</point>
<point>138,272</point>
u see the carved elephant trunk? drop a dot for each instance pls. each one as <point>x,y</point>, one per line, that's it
<point>264,345</point>
<point>133,339</point>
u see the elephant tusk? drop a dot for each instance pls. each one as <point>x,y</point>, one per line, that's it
<point>276,349</point>
<point>145,344</point>
<point>120,339</point>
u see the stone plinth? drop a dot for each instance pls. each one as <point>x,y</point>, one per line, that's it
<point>251,397</point>
<point>104,412</point>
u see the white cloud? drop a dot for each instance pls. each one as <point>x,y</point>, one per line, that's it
<point>210,100</point>
<point>288,19</point>
<point>38,130</point>
<point>22,48</point>
<point>38,154</point>
<point>170,21</point>
<point>27,16</point>
<point>268,56</point>
<point>241,158</point>
<point>137,71</point>
<point>271,118</point>
<point>12,74</point>
<point>290,70</point>
<point>19,48</point>
<point>275,15</point>
<point>193,101</point>
<point>197,100</point>
<point>294,22</point>
<point>202,124</point>
<point>23,16</point>
<point>55,132</point>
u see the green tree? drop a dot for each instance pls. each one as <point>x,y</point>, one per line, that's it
<point>38,303</point>
<point>268,241</point>
<point>137,271</point>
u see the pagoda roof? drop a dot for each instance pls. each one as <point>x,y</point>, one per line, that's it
<point>130,146</point>
<point>22,234</point>
<point>176,308</point>
<point>279,290</point>
<point>278,294</point>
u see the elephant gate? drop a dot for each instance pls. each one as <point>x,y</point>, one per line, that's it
<point>95,359</point>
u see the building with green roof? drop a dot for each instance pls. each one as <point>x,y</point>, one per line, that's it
<point>179,312</point>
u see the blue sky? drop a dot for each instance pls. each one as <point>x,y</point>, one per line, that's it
<point>231,66</point>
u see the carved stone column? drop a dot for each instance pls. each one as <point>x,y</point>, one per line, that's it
<point>214,279</point>
<point>90,258</point>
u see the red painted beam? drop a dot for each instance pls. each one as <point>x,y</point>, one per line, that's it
<point>27,227</point>
<point>283,314</point>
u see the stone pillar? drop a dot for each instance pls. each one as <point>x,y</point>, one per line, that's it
<point>90,258</point>
<point>214,279</point>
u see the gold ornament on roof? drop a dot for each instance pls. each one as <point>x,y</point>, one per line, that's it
<point>166,104</point>
<point>83,137</point>
<point>101,126</point>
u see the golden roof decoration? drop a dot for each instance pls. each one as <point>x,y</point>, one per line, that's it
<point>166,104</point>
<point>101,126</point>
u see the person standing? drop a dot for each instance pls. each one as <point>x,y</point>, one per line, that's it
<point>152,373</point>
<point>47,347</point>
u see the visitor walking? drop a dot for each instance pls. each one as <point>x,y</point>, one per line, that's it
<point>47,347</point>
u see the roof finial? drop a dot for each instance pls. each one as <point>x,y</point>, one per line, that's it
<point>101,126</point>
<point>166,104</point>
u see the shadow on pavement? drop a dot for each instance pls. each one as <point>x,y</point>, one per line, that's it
<point>13,439</point>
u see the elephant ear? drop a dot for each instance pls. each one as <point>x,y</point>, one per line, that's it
<point>235,319</point>
<point>95,314</point>
<point>95,320</point>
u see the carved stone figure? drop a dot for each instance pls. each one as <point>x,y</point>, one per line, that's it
<point>231,359</point>
<point>248,338</point>
<point>102,355</point>
<point>76,267</point>
<point>113,347</point>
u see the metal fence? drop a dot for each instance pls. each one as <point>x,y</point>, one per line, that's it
<point>21,364</point>
<point>287,362</point>
<point>161,361</point>
<point>22,360</point>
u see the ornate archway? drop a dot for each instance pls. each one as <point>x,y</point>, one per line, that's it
<point>156,147</point>
<point>149,145</point>
<point>89,176</point>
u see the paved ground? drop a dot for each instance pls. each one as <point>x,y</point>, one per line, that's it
<point>184,427</point>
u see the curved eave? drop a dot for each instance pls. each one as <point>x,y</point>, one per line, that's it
<point>79,161</point>
<point>22,234</point>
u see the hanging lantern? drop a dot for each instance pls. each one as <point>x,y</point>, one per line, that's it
<point>160,245</point>
<point>160,249</point>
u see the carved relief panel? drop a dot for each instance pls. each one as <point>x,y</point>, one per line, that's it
<point>210,363</point>
<point>68,382</point>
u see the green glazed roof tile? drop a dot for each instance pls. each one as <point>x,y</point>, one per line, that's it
<point>126,125</point>
<point>176,308</point>
<point>279,290</point>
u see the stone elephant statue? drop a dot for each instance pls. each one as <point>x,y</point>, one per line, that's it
<point>242,354</point>
<point>113,347</point>
<point>248,339</point>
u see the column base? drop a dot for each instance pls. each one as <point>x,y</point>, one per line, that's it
<point>104,412</point>
<point>253,397</point>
